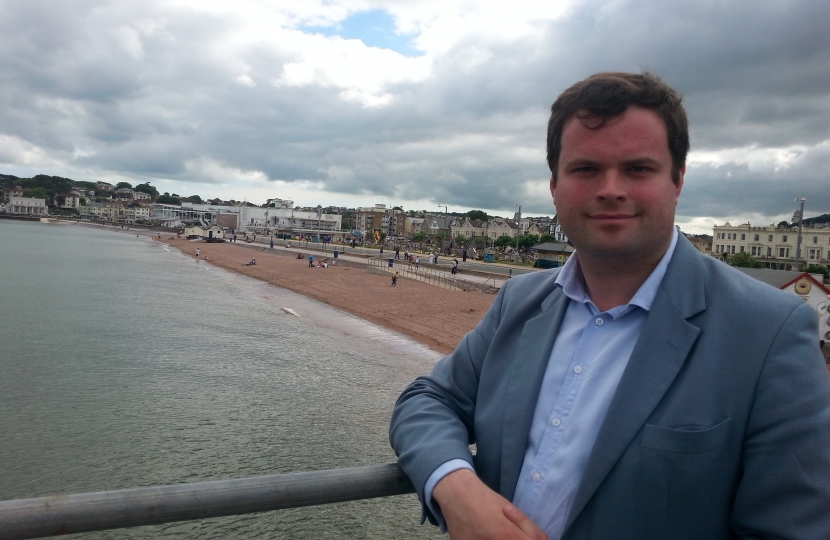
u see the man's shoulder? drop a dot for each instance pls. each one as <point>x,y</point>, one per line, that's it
<point>530,288</point>
<point>731,282</point>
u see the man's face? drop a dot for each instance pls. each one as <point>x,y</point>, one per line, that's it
<point>614,194</point>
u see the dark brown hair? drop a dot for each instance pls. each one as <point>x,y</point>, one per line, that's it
<point>605,95</point>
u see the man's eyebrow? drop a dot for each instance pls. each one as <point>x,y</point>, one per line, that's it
<point>642,160</point>
<point>580,162</point>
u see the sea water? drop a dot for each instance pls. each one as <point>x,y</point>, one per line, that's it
<point>124,363</point>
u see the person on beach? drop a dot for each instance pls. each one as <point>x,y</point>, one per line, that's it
<point>272,243</point>
<point>642,391</point>
<point>395,279</point>
<point>197,252</point>
<point>417,262</point>
<point>310,261</point>
<point>454,266</point>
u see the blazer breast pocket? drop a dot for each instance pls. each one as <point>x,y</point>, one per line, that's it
<point>686,440</point>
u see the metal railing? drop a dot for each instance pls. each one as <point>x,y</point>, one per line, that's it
<point>430,276</point>
<point>69,514</point>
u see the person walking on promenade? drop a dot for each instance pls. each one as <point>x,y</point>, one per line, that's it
<point>272,243</point>
<point>197,252</point>
<point>310,261</point>
<point>417,262</point>
<point>454,266</point>
<point>395,279</point>
<point>642,391</point>
<point>397,252</point>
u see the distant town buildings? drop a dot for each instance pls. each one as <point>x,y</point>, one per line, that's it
<point>773,246</point>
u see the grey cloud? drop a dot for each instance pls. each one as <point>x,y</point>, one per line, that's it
<point>751,73</point>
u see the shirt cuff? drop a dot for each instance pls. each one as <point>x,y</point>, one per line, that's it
<point>436,476</point>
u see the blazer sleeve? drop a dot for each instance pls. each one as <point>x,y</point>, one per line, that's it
<point>784,491</point>
<point>432,421</point>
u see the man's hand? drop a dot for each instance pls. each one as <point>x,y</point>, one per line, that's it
<point>475,512</point>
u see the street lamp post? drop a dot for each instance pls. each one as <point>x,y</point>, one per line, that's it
<point>518,231</point>
<point>445,220</point>
<point>798,237</point>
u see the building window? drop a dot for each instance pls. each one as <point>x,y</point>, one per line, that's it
<point>769,252</point>
<point>733,249</point>
<point>815,239</point>
<point>743,236</point>
<point>742,248</point>
<point>815,254</point>
<point>784,238</point>
<point>757,237</point>
<point>769,239</point>
<point>783,253</point>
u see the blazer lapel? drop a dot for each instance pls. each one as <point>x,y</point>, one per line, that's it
<point>664,343</point>
<point>526,376</point>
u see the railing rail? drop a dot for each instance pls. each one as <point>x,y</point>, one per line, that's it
<point>427,275</point>
<point>69,514</point>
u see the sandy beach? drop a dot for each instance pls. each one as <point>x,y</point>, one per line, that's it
<point>435,317</point>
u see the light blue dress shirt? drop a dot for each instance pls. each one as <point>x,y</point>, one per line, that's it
<point>589,356</point>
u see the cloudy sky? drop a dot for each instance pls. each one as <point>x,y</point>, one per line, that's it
<point>405,102</point>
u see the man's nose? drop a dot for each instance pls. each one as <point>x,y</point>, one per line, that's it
<point>611,186</point>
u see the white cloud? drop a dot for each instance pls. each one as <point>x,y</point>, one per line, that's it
<point>755,158</point>
<point>129,40</point>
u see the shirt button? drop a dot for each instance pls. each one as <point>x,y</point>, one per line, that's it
<point>599,321</point>
<point>578,370</point>
<point>556,422</point>
<point>535,477</point>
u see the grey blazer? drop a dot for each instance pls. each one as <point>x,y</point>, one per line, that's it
<point>720,426</point>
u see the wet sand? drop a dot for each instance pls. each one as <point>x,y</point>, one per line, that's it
<point>435,317</point>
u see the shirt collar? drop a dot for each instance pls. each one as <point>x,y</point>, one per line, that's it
<point>571,280</point>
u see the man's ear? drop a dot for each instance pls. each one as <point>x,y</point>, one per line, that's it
<point>553,189</point>
<point>679,185</point>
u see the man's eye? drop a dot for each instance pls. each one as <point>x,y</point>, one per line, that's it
<point>638,169</point>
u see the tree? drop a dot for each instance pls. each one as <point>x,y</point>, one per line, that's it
<point>547,238</point>
<point>783,224</point>
<point>148,189</point>
<point>195,199</point>
<point>504,241</point>
<point>818,269</point>
<point>441,236</point>
<point>167,199</point>
<point>743,260</point>
<point>477,214</point>
<point>36,193</point>
<point>460,240</point>
<point>419,237</point>
<point>527,241</point>
<point>120,185</point>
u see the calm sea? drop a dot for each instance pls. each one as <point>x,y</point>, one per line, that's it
<point>124,363</point>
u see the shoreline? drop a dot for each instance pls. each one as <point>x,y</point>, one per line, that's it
<point>435,317</point>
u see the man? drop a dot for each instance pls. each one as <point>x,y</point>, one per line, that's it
<point>642,391</point>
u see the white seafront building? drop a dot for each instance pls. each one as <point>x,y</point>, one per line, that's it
<point>280,219</point>
<point>27,206</point>
<point>774,247</point>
